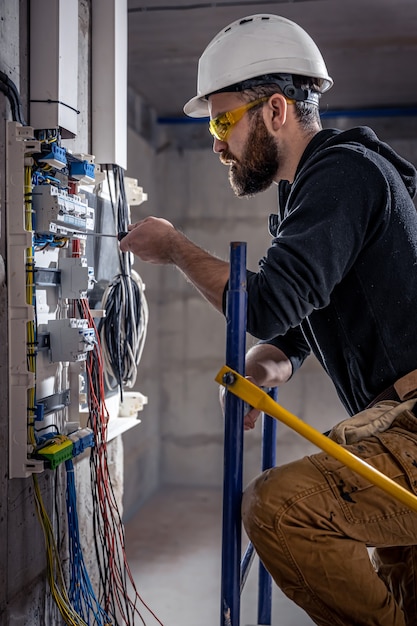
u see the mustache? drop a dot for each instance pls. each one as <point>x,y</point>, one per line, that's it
<point>227,158</point>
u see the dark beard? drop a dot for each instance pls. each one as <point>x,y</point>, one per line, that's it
<point>258,166</point>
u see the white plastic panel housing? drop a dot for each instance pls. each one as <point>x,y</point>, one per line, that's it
<point>54,65</point>
<point>109,81</point>
<point>20,142</point>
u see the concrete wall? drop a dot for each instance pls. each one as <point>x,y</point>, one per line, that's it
<point>22,561</point>
<point>25,599</point>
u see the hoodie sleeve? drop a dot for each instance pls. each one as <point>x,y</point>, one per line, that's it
<point>293,345</point>
<point>337,205</point>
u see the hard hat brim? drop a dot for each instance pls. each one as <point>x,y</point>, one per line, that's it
<point>196,107</point>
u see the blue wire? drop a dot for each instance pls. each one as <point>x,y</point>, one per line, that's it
<point>81,592</point>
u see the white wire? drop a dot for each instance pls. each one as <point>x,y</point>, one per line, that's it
<point>138,335</point>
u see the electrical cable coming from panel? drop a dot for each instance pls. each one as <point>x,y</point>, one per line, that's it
<point>81,592</point>
<point>115,574</point>
<point>123,330</point>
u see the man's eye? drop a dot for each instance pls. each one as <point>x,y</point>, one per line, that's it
<point>223,123</point>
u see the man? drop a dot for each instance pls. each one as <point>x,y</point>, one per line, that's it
<point>337,281</point>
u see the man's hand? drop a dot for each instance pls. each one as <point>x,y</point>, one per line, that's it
<point>155,240</point>
<point>152,240</point>
<point>265,366</point>
<point>251,415</point>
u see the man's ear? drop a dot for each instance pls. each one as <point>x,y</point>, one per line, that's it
<point>275,112</point>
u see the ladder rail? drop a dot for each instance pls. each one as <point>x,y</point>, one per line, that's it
<point>233,440</point>
<point>235,569</point>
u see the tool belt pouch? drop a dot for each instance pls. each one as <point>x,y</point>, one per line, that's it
<point>379,416</point>
<point>370,422</point>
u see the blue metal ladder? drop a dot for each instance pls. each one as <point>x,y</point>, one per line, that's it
<point>235,568</point>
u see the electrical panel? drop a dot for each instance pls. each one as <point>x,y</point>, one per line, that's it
<point>62,320</point>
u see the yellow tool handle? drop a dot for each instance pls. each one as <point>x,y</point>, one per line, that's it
<point>260,400</point>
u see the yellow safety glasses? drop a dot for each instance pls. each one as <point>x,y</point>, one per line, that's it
<point>221,125</point>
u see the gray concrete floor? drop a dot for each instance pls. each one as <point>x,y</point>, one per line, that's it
<point>174,551</point>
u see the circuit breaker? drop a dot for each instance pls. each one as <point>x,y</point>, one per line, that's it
<point>54,329</point>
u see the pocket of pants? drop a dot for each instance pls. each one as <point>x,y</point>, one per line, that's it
<point>360,501</point>
<point>403,447</point>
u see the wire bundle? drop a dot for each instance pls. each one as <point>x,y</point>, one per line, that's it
<point>53,564</point>
<point>114,571</point>
<point>123,330</point>
<point>81,592</point>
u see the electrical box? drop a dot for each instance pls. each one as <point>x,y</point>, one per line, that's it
<point>109,81</point>
<point>54,65</point>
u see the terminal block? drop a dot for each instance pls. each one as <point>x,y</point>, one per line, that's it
<point>55,157</point>
<point>54,451</point>
<point>82,439</point>
<point>56,211</point>
<point>82,171</point>
<point>70,339</point>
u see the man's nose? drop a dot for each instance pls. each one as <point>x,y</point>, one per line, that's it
<point>219,146</point>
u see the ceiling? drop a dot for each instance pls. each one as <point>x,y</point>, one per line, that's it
<point>370,48</point>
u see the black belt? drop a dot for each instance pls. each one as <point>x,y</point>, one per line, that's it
<point>388,394</point>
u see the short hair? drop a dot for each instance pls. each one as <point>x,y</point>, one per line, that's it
<point>307,113</point>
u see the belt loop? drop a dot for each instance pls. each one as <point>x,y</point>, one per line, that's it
<point>406,387</point>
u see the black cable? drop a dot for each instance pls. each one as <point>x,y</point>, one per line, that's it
<point>9,89</point>
<point>123,329</point>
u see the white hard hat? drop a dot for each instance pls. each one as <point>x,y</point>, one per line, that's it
<point>254,46</point>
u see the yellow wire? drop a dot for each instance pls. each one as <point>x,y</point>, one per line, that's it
<point>31,395</point>
<point>30,267</point>
<point>28,198</point>
<point>54,569</point>
<point>260,400</point>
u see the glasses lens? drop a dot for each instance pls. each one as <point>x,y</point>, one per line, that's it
<point>219,127</point>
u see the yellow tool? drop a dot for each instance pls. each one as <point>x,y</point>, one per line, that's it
<point>260,400</point>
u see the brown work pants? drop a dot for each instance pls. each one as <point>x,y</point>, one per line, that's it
<point>312,520</point>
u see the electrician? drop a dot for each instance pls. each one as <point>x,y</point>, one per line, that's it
<point>336,281</point>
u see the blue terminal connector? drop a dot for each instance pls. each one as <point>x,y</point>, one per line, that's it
<point>81,439</point>
<point>82,170</point>
<point>57,157</point>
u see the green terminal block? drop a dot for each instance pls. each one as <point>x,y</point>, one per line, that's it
<point>56,451</point>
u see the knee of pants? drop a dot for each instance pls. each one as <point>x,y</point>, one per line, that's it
<point>261,500</point>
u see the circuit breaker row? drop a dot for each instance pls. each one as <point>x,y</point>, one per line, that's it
<point>48,278</point>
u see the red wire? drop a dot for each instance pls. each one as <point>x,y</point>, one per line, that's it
<point>112,526</point>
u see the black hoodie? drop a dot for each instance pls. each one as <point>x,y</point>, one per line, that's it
<point>340,277</point>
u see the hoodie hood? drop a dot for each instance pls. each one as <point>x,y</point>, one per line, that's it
<point>365,137</point>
